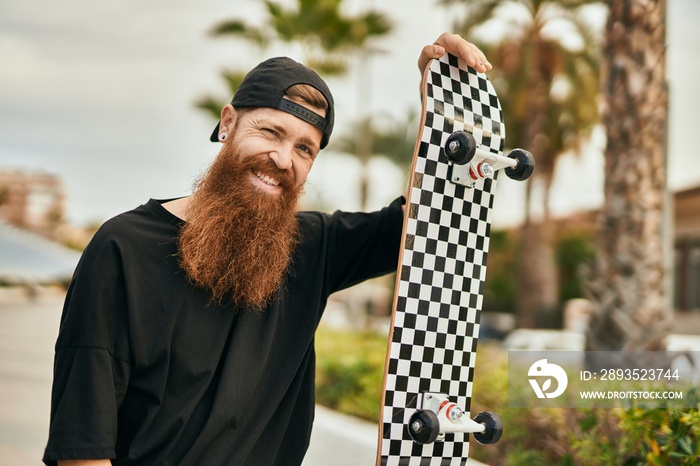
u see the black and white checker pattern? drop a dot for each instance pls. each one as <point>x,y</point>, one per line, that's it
<point>443,267</point>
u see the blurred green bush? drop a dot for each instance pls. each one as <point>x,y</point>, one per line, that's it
<point>350,371</point>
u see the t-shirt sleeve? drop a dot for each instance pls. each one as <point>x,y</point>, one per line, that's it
<point>365,245</point>
<point>91,365</point>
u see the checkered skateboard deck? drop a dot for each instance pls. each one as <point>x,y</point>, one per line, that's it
<point>442,266</point>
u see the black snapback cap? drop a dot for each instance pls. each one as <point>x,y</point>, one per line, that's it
<point>266,84</point>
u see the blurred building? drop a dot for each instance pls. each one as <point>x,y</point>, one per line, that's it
<point>31,217</point>
<point>686,217</point>
<point>32,201</point>
<point>30,259</point>
<point>685,279</point>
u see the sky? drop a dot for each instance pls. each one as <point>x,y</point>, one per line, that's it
<point>101,94</point>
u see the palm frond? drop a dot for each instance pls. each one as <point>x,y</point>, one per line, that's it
<point>210,105</point>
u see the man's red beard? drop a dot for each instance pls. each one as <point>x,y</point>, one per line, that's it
<point>238,240</point>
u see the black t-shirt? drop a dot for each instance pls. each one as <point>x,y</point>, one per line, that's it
<point>147,371</point>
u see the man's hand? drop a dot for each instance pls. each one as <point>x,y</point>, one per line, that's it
<point>454,44</point>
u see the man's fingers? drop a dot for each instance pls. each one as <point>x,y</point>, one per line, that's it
<point>457,46</point>
<point>470,53</point>
<point>428,53</point>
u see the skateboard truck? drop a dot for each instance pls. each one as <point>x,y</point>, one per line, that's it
<point>470,162</point>
<point>437,415</point>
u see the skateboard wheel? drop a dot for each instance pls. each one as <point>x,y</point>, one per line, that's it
<point>460,147</point>
<point>494,428</point>
<point>525,167</point>
<point>424,427</point>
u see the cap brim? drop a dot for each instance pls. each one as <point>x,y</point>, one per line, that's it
<point>215,135</point>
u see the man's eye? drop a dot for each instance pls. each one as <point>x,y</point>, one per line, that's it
<point>308,151</point>
<point>269,131</point>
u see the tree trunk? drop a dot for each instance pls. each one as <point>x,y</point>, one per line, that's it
<point>538,281</point>
<point>537,274</point>
<point>628,292</point>
<point>537,277</point>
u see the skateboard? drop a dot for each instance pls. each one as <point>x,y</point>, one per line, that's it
<point>425,418</point>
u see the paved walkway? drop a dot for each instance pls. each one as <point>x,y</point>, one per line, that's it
<point>27,336</point>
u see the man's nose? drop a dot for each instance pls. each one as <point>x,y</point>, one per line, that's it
<point>282,157</point>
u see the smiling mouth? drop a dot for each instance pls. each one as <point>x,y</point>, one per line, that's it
<point>266,179</point>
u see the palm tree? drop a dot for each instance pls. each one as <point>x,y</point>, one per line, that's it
<point>631,311</point>
<point>212,105</point>
<point>329,38</point>
<point>548,90</point>
<point>391,137</point>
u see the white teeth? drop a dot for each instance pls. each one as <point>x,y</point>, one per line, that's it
<point>267,180</point>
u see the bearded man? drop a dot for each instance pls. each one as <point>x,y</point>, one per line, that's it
<point>187,331</point>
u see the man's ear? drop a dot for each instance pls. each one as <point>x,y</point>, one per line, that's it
<point>228,118</point>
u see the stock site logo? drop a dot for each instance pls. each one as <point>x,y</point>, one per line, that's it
<point>546,372</point>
